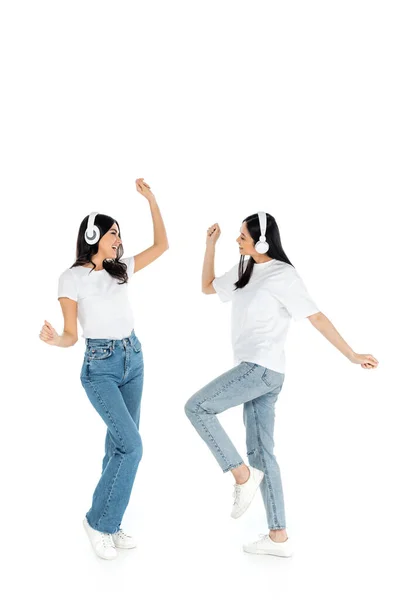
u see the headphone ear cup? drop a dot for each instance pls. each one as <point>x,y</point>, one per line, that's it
<point>94,238</point>
<point>262,247</point>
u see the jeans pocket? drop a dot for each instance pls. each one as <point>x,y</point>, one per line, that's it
<point>267,377</point>
<point>273,380</point>
<point>99,352</point>
<point>136,345</point>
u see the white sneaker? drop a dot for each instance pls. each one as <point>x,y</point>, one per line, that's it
<point>267,546</point>
<point>123,540</point>
<point>102,543</point>
<point>244,493</point>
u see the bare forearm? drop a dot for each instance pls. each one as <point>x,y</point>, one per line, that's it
<point>326,327</point>
<point>65,340</point>
<point>208,274</point>
<point>160,234</point>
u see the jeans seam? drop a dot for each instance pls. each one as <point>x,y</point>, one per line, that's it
<point>273,505</point>
<point>229,383</point>
<point>122,457</point>
<point>92,359</point>
<point>265,379</point>
<point>198,405</point>
<point>211,437</point>
<point>109,347</point>
<point>108,413</point>
<point>107,504</point>
<point>233,467</point>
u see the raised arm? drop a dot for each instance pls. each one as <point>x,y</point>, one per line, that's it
<point>160,244</point>
<point>69,336</point>
<point>326,327</point>
<point>208,274</point>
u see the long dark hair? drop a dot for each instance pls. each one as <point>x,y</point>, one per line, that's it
<point>275,246</point>
<point>85,251</point>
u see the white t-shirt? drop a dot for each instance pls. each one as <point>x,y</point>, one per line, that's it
<point>262,310</point>
<point>104,310</point>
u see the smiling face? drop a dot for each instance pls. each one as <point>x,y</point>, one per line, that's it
<point>245,241</point>
<point>108,244</point>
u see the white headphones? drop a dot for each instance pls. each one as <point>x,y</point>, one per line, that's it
<point>92,233</point>
<point>262,245</point>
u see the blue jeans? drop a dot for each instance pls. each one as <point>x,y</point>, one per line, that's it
<point>112,375</point>
<point>257,388</point>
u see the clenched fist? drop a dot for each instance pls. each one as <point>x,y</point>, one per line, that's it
<point>49,335</point>
<point>213,234</point>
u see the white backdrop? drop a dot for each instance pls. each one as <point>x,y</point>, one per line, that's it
<point>225,108</point>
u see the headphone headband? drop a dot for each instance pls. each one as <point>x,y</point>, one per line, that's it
<point>262,245</point>
<point>262,217</point>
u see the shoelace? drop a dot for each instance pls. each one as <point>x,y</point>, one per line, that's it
<point>236,493</point>
<point>107,540</point>
<point>122,534</point>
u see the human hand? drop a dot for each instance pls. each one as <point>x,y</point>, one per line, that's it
<point>367,361</point>
<point>143,188</point>
<point>49,335</point>
<point>213,234</point>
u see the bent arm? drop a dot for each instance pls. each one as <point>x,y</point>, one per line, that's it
<point>160,244</point>
<point>69,336</point>
<point>326,327</point>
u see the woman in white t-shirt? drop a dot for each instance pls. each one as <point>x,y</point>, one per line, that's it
<point>95,292</point>
<point>266,292</point>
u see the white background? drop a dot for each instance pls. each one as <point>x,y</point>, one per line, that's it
<point>225,108</point>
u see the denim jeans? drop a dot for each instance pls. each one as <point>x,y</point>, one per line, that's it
<point>112,375</point>
<point>257,388</point>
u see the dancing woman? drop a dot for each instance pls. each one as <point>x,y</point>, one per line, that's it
<point>266,292</point>
<point>95,292</point>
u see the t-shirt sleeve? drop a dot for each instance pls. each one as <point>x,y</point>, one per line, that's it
<point>130,264</point>
<point>224,285</point>
<point>67,286</point>
<point>297,300</point>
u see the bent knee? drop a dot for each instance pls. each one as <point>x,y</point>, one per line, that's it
<point>138,450</point>
<point>133,446</point>
<point>192,406</point>
<point>188,409</point>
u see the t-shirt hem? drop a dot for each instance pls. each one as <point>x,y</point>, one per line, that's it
<point>306,314</point>
<point>266,364</point>
<point>67,296</point>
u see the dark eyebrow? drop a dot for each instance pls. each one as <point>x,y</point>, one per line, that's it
<point>113,229</point>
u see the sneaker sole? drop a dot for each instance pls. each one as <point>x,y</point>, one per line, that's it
<point>125,547</point>
<point>251,499</point>
<point>267,552</point>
